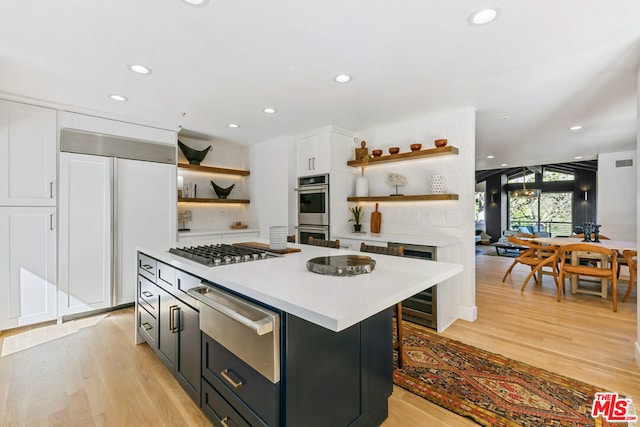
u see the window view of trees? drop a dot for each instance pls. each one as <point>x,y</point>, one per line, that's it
<point>480,198</point>
<point>551,212</point>
<point>551,176</point>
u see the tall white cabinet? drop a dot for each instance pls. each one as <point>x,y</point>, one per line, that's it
<point>27,214</point>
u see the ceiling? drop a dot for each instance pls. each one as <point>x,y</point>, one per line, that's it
<point>546,64</point>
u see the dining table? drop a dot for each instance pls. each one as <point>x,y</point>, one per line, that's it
<point>617,245</point>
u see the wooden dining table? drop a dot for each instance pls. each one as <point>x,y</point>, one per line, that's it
<point>618,245</point>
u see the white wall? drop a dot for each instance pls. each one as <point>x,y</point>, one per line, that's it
<point>450,218</point>
<point>225,155</point>
<point>638,213</point>
<point>272,165</point>
<point>617,212</point>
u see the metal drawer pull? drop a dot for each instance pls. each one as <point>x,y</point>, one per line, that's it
<point>147,326</point>
<point>176,321</point>
<point>225,421</point>
<point>226,376</point>
<point>147,266</point>
<point>147,294</point>
<point>172,327</point>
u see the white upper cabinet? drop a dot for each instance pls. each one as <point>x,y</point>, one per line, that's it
<point>27,155</point>
<point>313,154</point>
<point>323,150</point>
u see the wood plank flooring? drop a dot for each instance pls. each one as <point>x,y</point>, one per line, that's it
<point>98,377</point>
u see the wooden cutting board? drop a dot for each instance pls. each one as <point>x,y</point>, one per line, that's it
<point>265,247</point>
<point>376,220</point>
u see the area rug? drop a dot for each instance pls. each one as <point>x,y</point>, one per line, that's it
<point>489,388</point>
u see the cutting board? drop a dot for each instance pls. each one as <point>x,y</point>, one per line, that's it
<point>376,220</point>
<point>265,247</point>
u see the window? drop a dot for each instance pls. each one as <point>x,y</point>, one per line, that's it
<point>529,177</point>
<point>550,212</point>
<point>553,176</point>
<point>480,200</point>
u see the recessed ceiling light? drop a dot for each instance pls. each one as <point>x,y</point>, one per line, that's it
<point>118,98</point>
<point>483,16</point>
<point>490,157</point>
<point>503,164</point>
<point>577,127</point>
<point>342,78</point>
<point>233,125</point>
<point>140,69</point>
<point>197,3</point>
<point>269,110</point>
<point>505,117</point>
<point>577,157</point>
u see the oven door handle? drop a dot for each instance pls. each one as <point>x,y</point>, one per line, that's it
<point>320,187</point>
<point>261,326</point>
<point>314,228</point>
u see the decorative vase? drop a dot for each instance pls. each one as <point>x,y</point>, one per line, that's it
<point>357,227</point>
<point>362,186</point>
<point>437,184</point>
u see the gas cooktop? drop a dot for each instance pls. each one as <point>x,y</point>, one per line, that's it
<point>221,254</point>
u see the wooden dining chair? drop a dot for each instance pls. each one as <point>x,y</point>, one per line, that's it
<point>631,258</point>
<point>395,251</point>
<point>536,256</point>
<point>324,243</point>
<point>602,270</point>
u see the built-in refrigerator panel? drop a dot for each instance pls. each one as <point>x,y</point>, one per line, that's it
<point>146,204</point>
<point>86,217</point>
<point>109,205</point>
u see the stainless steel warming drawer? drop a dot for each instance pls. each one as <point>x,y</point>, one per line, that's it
<point>247,330</point>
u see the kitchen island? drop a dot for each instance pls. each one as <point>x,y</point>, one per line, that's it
<point>332,335</point>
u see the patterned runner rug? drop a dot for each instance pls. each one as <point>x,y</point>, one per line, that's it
<point>489,388</point>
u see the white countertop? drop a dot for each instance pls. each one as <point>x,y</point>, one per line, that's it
<point>438,241</point>
<point>331,302</point>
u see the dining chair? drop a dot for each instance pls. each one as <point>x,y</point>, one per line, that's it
<point>631,258</point>
<point>536,256</point>
<point>324,243</point>
<point>605,270</point>
<point>395,251</point>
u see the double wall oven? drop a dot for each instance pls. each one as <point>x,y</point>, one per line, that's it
<point>313,207</point>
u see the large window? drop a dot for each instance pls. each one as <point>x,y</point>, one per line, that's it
<point>550,212</point>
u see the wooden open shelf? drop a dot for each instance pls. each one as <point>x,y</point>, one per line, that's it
<point>213,201</point>
<point>213,169</point>
<point>409,198</point>
<point>411,155</point>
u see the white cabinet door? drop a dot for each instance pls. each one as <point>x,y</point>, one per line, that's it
<point>27,155</point>
<point>313,154</point>
<point>27,265</point>
<point>146,206</point>
<point>85,233</point>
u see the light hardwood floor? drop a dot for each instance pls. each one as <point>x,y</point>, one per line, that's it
<point>97,376</point>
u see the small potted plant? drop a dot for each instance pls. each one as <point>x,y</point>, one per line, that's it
<point>356,217</point>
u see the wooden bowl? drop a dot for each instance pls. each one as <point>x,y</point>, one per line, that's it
<point>394,150</point>
<point>415,147</point>
<point>376,153</point>
<point>440,142</point>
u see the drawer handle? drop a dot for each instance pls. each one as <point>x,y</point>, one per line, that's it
<point>147,326</point>
<point>147,267</point>
<point>226,376</point>
<point>174,326</point>
<point>147,294</point>
<point>225,421</point>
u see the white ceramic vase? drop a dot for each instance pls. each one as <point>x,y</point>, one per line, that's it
<point>362,186</point>
<point>437,184</point>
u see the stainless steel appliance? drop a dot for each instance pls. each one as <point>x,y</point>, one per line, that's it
<point>220,254</point>
<point>249,331</point>
<point>421,308</point>
<point>313,207</point>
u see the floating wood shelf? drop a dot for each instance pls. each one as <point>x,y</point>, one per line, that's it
<point>432,152</point>
<point>191,200</point>
<point>212,169</point>
<point>409,198</point>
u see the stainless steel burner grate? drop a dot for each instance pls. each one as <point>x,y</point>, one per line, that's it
<point>220,254</point>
